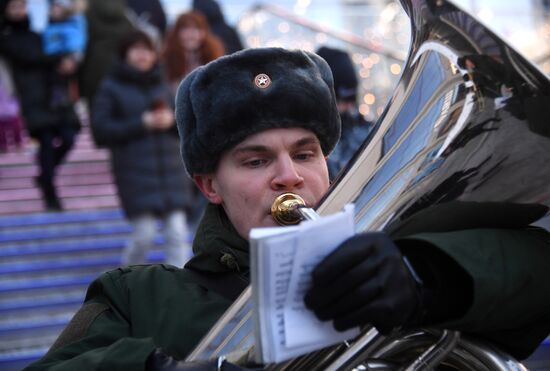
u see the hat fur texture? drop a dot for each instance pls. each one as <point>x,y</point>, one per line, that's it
<point>219,105</point>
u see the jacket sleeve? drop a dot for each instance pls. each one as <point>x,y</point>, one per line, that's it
<point>510,304</point>
<point>107,127</point>
<point>102,341</point>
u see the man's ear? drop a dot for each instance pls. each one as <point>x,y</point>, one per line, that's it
<point>205,182</point>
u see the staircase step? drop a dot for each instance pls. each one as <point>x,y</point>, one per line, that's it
<point>52,265</point>
<point>10,300</point>
<point>67,264</point>
<point>60,181</point>
<point>45,338</point>
<point>99,244</point>
<point>53,282</point>
<point>63,192</point>
<point>30,170</point>
<point>82,155</point>
<point>17,359</point>
<point>59,320</point>
<point>65,232</point>
<point>40,219</point>
<point>21,336</point>
<point>84,140</point>
<point>27,303</point>
<point>83,203</point>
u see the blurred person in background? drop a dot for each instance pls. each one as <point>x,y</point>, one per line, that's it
<point>11,127</point>
<point>53,127</point>
<point>149,16</point>
<point>355,128</point>
<point>107,23</point>
<point>213,13</point>
<point>66,33</point>
<point>188,45</point>
<point>133,117</point>
<point>65,37</point>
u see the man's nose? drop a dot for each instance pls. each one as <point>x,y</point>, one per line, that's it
<point>287,176</point>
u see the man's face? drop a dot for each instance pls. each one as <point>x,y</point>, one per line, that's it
<point>263,166</point>
<point>16,10</point>
<point>191,38</point>
<point>141,57</point>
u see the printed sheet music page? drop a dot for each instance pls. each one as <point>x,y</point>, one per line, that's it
<point>282,259</point>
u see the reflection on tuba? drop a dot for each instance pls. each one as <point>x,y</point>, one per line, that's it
<point>467,125</point>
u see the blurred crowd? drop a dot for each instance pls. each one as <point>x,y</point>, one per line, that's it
<point>124,62</point>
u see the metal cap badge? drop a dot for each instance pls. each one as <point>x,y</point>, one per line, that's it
<point>262,81</point>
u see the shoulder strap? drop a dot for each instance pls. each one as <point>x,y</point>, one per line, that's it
<point>229,285</point>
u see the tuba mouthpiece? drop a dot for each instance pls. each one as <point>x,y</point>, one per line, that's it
<point>285,209</point>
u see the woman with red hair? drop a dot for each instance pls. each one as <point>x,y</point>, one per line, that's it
<point>189,44</point>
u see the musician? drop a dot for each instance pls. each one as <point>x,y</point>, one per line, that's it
<point>259,123</point>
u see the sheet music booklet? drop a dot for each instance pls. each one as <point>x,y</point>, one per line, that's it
<point>282,259</point>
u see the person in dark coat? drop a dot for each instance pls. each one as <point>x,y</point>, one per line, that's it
<point>355,128</point>
<point>46,119</point>
<point>242,158</point>
<point>132,116</point>
<point>213,13</point>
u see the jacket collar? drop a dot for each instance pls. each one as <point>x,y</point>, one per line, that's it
<point>217,245</point>
<point>123,71</point>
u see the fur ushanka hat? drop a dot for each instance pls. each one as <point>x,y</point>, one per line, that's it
<point>220,104</point>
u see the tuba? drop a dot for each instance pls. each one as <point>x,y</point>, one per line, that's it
<point>467,124</point>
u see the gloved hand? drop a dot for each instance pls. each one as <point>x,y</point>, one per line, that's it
<point>160,361</point>
<point>365,281</point>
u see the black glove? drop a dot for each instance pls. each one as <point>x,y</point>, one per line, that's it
<point>365,281</point>
<point>160,361</point>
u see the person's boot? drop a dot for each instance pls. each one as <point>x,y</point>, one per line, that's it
<point>53,203</point>
<point>49,194</point>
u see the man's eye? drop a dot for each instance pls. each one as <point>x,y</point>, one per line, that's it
<point>303,156</point>
<point>255,163</point>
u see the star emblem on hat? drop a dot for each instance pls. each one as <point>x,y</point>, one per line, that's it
<point>262,81</point>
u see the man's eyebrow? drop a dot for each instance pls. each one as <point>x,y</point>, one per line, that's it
<point>306,141</point>
<point>262,148</point>
<point>251,148</point>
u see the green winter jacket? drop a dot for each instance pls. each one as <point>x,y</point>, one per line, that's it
<point>128,312</point>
